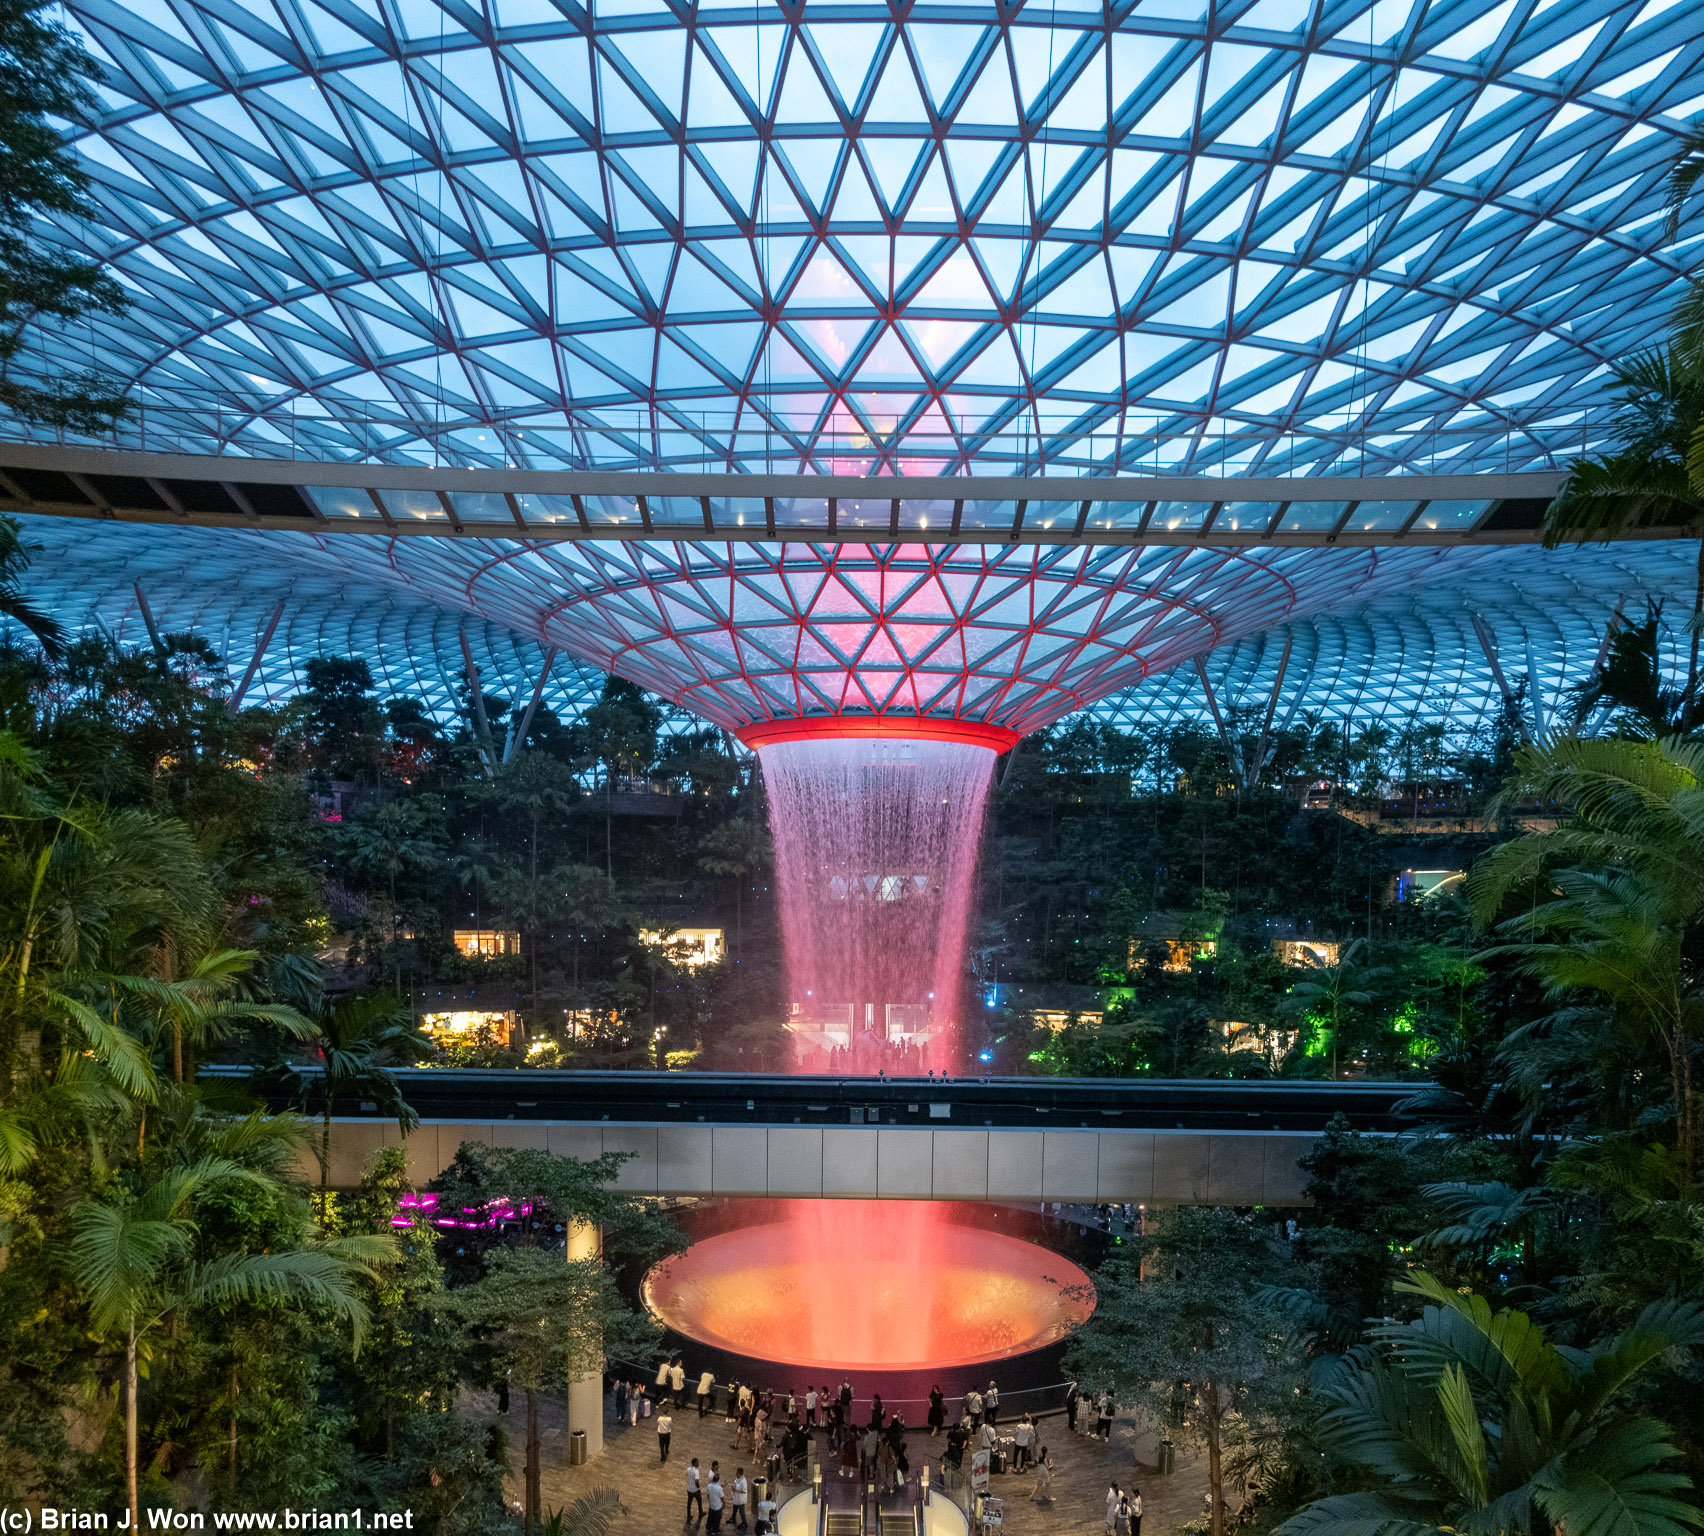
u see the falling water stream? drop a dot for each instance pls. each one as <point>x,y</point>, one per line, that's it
<point>875,852</point>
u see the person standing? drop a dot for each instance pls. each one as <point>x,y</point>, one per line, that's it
<point>810,1407</point>
<point>694,1489</point>
<point>718,1496</point>
<point>1022,1435</point>
<point>973,1406</point>
<point>742,1491</point>
<point>706,1389</point>
<point>1043,1476</point>
<point>991,1403</point>
<point>620,1399</point>
<point>665,1428</point>
<point>1113,1497</point>
<point>1121,1519</point>
<point>937,1411</point>
<point>635,1403</point>
<point>1135,1512</point>
<point>1072,1398</point>
<point>662,1382</point>
<point>677,1382</point>
<point>766,1514</point>
<point>846,1400</point>
<point>1109,1411</point>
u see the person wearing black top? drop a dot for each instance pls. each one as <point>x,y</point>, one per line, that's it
<point>1071,1399</point>
<point>937,1411</point>
<point>878,1414</point>
<point>955,1447</point>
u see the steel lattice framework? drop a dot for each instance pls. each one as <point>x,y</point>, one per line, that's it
<point>1011,636</point>
<point>1284,235</point>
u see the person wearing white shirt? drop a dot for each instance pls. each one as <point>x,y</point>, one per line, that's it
<point>990,1437</point>
<point>1112,1498</point>
<point>765,1516</point>
<point>1022,1434</point>
<point>1135,1512</point>
<point>991,1403</point>
<point>665,1427</point>
<point>718,1496</point>
<point>694,1490</point>
<point>973,1406</point>
<point>742,1491</point>
<point>677,1379</point>
<point>810,1406</point>
<point>706,1385</point>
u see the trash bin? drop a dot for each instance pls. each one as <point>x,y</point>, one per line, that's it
<point>577,1448</point>
<point>1168,1458</point>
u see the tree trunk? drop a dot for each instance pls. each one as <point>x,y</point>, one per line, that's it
<point>130,1492</point>
<point>325,1161</point>
<point>532,1472</point>
<point>177,1052</point>
<point>1215,1463</point>
<point>1689,710</point>
<point>231,1459</point>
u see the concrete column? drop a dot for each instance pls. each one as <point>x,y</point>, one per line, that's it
<point>585,1397</point>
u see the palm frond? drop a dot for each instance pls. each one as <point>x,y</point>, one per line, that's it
<point>1358,1514</point>
<point>592,1514</point>
<point>306,1275</point>
<point>1612,1486</point>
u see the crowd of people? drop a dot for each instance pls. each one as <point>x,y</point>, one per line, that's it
<point>775,1431</point>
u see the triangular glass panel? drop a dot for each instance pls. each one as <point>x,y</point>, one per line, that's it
<point>855,203</point>
<point>1257,123</point>
<point>990,100</point>
<point>696,289</point>
<point>847,49</point>
<point>658,58</point>
<point>1173,115</point>
<point>709,102</point>
<point>620,109</point>
<point>803,99</point>
<point>1010,203</point>
<point>1085,104</point>
<point>970,161</point>
<point>943,49</point>
<point>891,161</point>
<point>752,54</point>
<point>896,98</point>
<point>734,163</point>
<point>932,201</point>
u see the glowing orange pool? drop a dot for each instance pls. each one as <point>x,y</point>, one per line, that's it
<point>869,1284</point>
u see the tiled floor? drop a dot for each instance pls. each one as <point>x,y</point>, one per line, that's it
<point>655,1496</point>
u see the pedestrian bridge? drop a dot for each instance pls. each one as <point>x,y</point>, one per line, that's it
<point>1009,1139</point>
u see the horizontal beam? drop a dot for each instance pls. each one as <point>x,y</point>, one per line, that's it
<point>547,482</point>
<point>664,531</point>
<point>915,1161</point>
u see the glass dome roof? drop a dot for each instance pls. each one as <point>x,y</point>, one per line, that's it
<point>1275,235</point>
<point>1010,636</point>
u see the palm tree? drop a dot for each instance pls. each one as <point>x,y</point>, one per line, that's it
<point>14,561</point>
<point>1474,1422</point>
<point>197,1006</point>
<point>1610,903</point>
<point>1654,479</point>
<point>1343,990</point>
<point>132,1254</point>
<point>355,1039</point>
